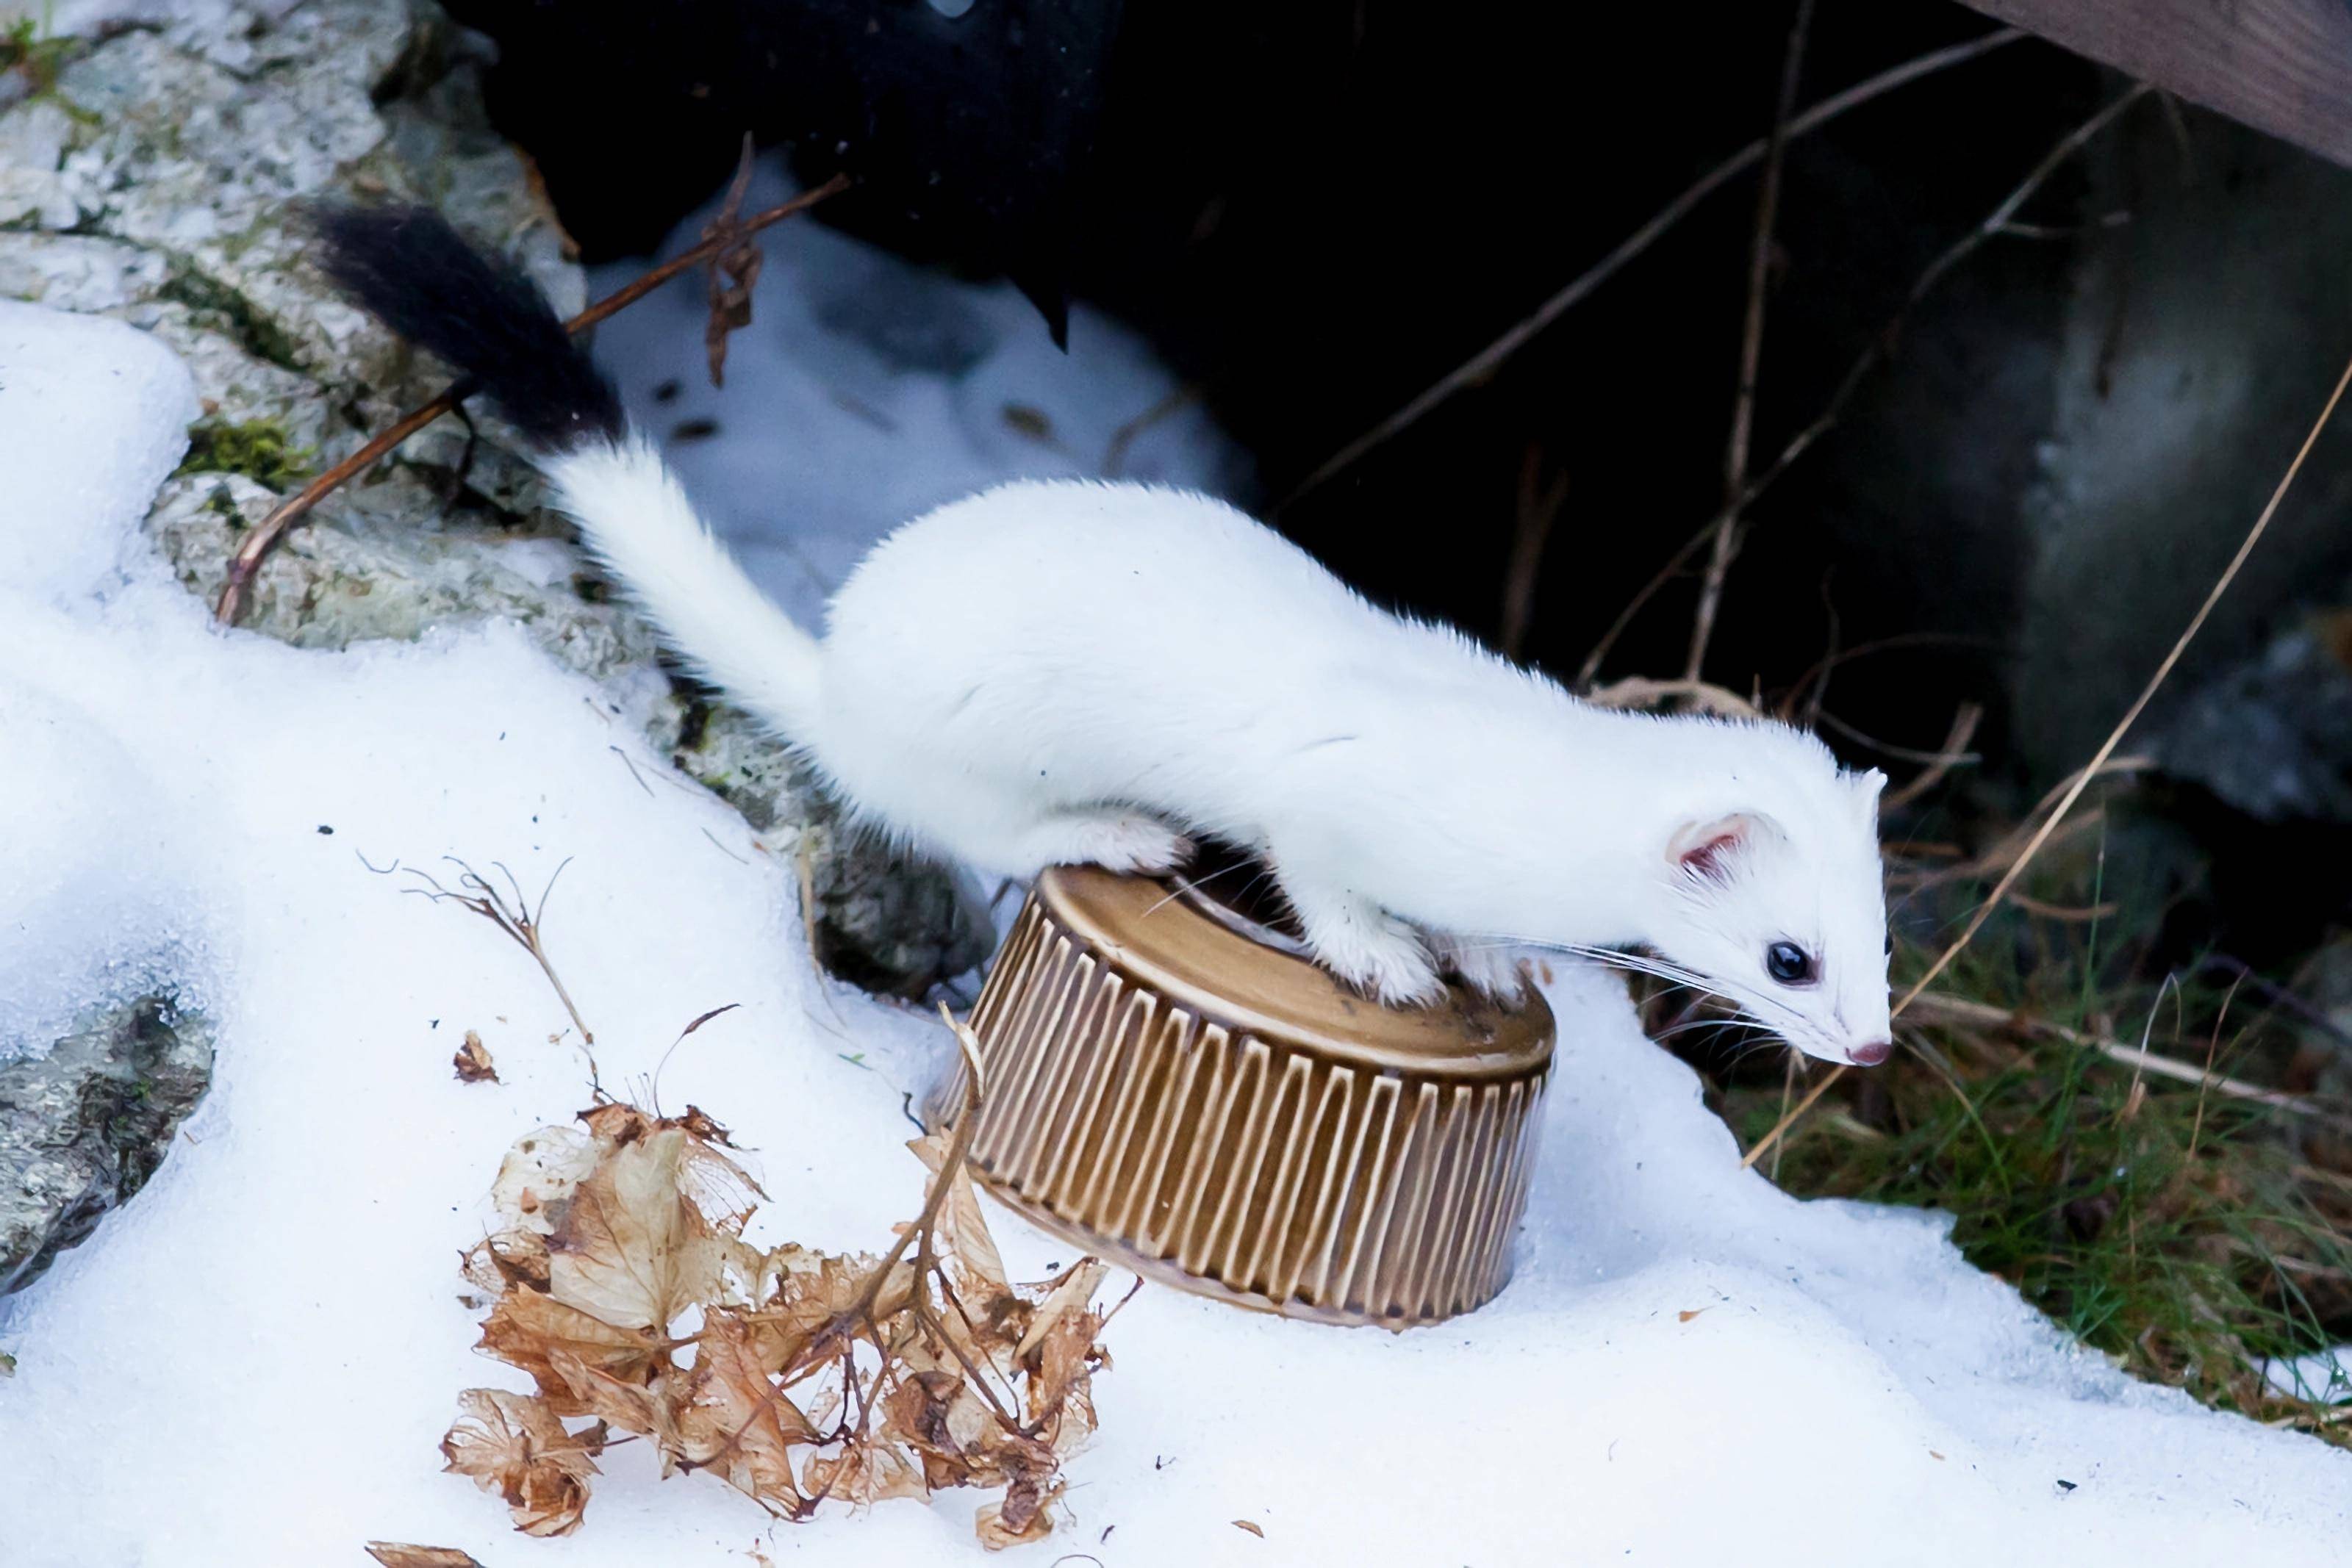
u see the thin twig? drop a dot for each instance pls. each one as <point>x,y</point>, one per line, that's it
<point>1698,696</point>
<point>1950,755</point>
<point>1537,510</point>
<point>1751,347</point>
<point>1940,1006</point>
<point>1882,644</point>
<point>523,926</point>
<point>1481,366</point>
<point>2213,1044</point>
<point>1880,346</point>
<point>1123,439</point>
<point>847,1323</point>
<point>2095,765</point>
<point>245,564</point>
<point>1790,1118</point>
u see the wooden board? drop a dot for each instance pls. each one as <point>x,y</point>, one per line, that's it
<point>2281,66</point>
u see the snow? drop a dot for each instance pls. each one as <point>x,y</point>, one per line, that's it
<point>2325,1376</point>
<point>868,391</point>
<point>253,1363</point>
<point>55,372</point>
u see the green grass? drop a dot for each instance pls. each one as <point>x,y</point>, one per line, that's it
<point>2186,1234</point>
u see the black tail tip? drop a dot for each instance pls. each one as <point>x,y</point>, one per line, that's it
<point>408,268</point>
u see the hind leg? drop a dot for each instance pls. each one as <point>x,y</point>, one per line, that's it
<point>1112,837</point>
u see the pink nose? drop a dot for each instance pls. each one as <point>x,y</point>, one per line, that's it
<point>1872,1054</point>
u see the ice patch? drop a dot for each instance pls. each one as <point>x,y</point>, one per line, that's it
<point>94,898</point>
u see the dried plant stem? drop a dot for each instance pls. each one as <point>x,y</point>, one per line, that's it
<point>1539,509</point>
<point>1790,1118</point>
<point>1479,367</point>
<point>859,1315</point>
<point>1950,755</point>
<point>522,924</point>
<point>2092,769</point>
<point>1881,344</point>
<point>1939,1007</point>
<point>245,564</point>
<point>1751,345</point>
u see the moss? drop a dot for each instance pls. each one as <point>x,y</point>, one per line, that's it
<point>260,449</point>
<point>223,505</point>
<point>38,59</point>
<point>218,304</point>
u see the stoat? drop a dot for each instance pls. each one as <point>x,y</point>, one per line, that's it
<point>1071,671</point>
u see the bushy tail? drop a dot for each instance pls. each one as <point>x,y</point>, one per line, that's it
<point>410,269</point>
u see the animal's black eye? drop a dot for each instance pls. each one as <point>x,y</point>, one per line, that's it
<point>1788,963</point>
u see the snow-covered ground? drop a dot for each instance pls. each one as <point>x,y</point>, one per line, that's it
<point>253,1363</point>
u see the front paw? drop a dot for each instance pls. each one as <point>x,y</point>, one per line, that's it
<point>1494,970</point>
<point>1389,964</point>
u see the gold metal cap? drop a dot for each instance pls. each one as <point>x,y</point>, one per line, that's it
<point>1169,1089</point>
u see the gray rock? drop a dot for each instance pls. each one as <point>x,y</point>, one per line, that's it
<point>162,182</point>
<point>2199,342</point>
<point>82,1128</point>
<point>2271,734</point>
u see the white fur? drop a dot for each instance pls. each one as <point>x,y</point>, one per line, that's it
<point>1067,672</point>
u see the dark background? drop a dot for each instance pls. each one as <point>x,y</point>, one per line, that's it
<point>1315,211</point>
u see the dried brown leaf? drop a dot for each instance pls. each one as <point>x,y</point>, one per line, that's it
<point>941,1419</point>
<point>537,1177</point>
<point>617,1123</point>
<point>632,1248</point>
<point>473,1062</point>
<point>527,1329</point>
<point>736,1422</point>
<point>1253,1529</point>
<point>400,1555</point>
<point>804,1296</point>
<point>647,1409</point>
<point>733,271</point>
<point>863,1473</point>
<point>512,1443</point>
<point>1071,1296</point>
<point>616,1230</point>
<point>1017,1518</point>
<point>1061,1373</point>
<point>961,1237</point>
<point>506,1259</point>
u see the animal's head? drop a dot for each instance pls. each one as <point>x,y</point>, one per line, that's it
<point>1779,908</point>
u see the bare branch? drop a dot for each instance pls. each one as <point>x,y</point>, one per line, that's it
<point>1481,366</point>
<point>1876,352</point>
<point>245,564</point>
<point>1751,347</point>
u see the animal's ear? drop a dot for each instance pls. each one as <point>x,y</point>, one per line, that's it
<point>1711,850</point>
